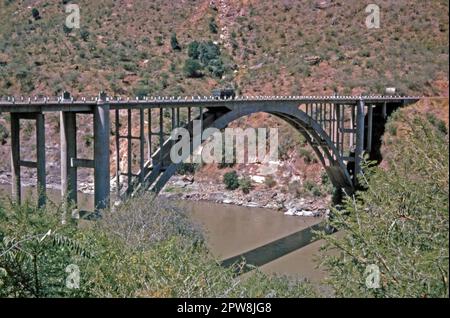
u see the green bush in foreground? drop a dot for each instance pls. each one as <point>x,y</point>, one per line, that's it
<point>143,249</point>
<point>399,224</point>
<point>35,250</point>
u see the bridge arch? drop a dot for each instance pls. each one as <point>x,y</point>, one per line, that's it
<point>314,134</point>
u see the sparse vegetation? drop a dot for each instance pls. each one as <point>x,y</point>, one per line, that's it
<point>269,181</point>
<point>416,57</point>
<point>84,34</point>
<point>231,180</point>
<point>208,56</point>
<point>174,42</point>
<point>400,224</point>
<point>307,155</point>
<point>245,183</point>
<point>4,134</point>
<point>192,68</point>
<point>312,188</point>
<point>187,168</point>
<point>213,28</point>
<point>35,14</point>
<point>134,252</point>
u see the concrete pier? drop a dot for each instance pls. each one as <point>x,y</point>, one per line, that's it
<point>101,154</point>
<point>40,159</point>
<point>68,152</point>
<point>15,157</point>
<point>369,128</point>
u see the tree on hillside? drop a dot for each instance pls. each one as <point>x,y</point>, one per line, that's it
<point>192,68</point>
<point>84,34</point>
<point>396,233</point>
<point>174,42</point>
<point>35,14</point>
<point>66,29</point>
<point>209,56</point>
<point>193,49</point>
<point>213,26</point>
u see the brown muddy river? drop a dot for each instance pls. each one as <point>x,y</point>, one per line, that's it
<point>269,239</point>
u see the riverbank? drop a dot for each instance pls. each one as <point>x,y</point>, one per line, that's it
<point>188,188</point>
<point>197,189</point>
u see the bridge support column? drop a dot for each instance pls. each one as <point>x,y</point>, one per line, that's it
<point>68,152</point>
<point>359,150</point>
<point>129,150</point>
<point>15,157</point>
<point>40,159</point>
<point>117,143</point>
<point>101,154</point>
<point>141,145</point>
<point>16,162</point>
<point>369,128</point>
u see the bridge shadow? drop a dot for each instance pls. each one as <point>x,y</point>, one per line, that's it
<point>275,249</point>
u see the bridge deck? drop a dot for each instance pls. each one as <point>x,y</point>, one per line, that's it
<point>33,105</point>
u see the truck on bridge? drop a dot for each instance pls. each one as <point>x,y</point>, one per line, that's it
<point>224,93</point>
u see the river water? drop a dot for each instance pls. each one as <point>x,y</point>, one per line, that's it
<point>269,239</point>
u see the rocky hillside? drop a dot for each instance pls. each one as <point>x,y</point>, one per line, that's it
<point>270,47</point>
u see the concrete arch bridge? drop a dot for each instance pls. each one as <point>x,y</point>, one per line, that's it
<point>339,129</point>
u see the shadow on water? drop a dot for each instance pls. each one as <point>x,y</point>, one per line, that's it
<point>276,249</point>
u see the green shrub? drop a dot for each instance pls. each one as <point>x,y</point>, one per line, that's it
<point>213,26</point>
<point>187,168</point>
<point>84,34</point>
<point>35,250</point>
<point>245,184</point>
<point>193,50</point>
<point>66,29</point>
<point>192,68</point>
<point>174,42</point>
<point>141,91</point>
<point>400,224</point>
<point>231,180</point>
<point>438,123</point>
<point>306,155</point>
<point>208,55</point>
<point>130,67</point>
<point>208,51</point>
<point>312,188</point>
<point>324,178</point>
<point>4,134</point>
<point>88,140</point>
<point>35,14</point>
<point>159,40</point>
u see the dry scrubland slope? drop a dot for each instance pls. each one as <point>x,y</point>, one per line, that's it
<point>266,47</point>
<point>124,46</point>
